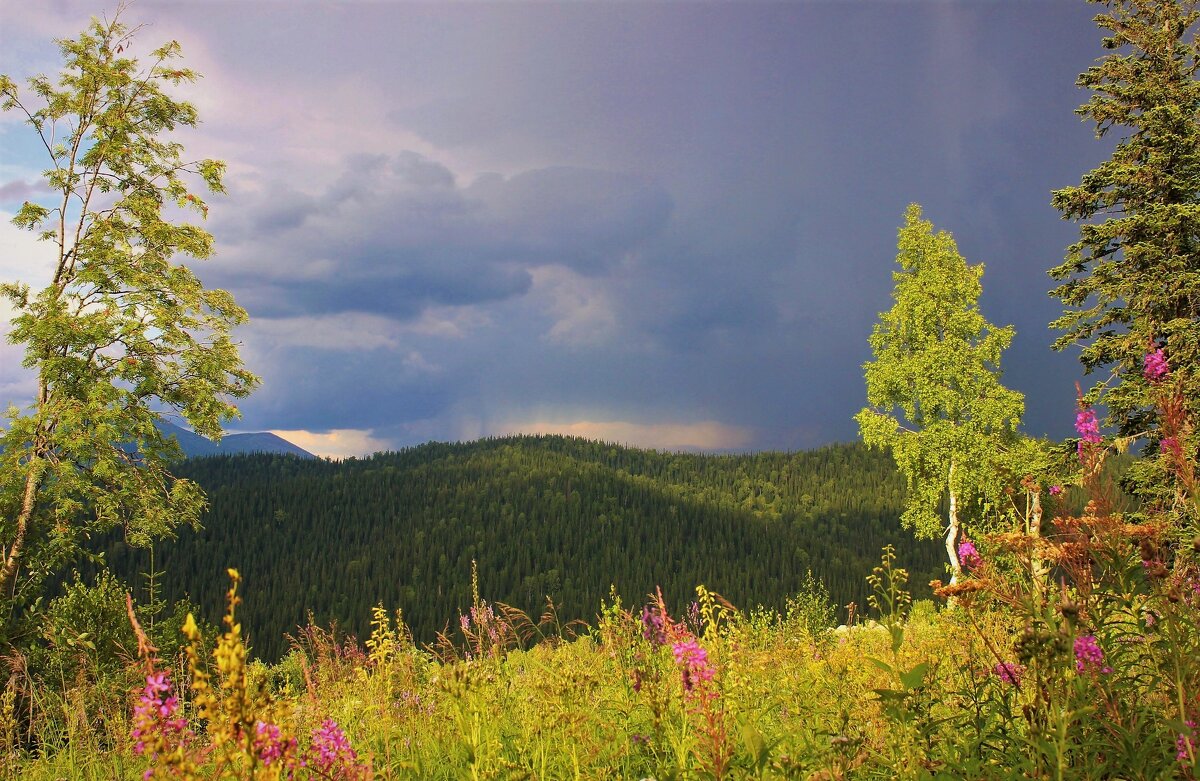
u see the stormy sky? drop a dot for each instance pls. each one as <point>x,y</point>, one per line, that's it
<point>667,224</point>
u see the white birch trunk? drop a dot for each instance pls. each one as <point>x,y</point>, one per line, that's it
<point>1037,565</point>
<point>952,532</point>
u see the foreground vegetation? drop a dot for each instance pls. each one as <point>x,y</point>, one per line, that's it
<point>1089,683</point>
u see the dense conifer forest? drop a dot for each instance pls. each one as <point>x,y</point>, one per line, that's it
<point>542,516</point>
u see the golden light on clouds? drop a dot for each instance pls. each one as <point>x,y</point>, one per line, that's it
<point>335,443</point>
<point>701,435</point>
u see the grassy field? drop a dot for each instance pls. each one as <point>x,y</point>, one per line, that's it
<point>1016,680</point>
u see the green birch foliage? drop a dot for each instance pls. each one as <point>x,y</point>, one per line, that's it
<point>934,392</point>
<point>124,331</point>
<point>1134,274</point>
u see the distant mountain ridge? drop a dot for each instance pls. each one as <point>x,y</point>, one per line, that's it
<point>194,445</point>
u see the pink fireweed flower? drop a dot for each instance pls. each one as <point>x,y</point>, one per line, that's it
<point>968,554</point>
<point>1055,490</point>
<point>1010,672</point>
<point>693,663</point>
<point>1087,426</point>
<point>156,716</point>
<point>1170,446</point>
<point>482,615</point>
<point>269,744</point>
<point>333,750</point>
<point>654,628</point>
<point>157,683</point>
<point>1185,744</point>
<point>1088,655</point>
<point>1154,365</point>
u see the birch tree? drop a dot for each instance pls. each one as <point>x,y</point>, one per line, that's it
<point>933,390</point>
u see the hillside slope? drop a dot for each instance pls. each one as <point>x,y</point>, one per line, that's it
<point>549,515</point>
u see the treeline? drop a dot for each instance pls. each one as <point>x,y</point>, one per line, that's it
<point>542,516</point>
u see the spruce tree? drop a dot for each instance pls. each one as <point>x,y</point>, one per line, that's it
<point>1131,283</point>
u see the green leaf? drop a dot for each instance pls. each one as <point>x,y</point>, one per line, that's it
<point>915,677</point>
<point>882,665</point>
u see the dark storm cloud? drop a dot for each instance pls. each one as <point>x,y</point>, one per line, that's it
<point>580,218</point>
<point>694,218</point>
<point>395,234</point>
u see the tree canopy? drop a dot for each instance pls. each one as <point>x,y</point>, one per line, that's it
<point>1131,283</point>
<point>933,389</point>
<point>124,331</point>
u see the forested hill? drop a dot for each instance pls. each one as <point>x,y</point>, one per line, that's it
<point>545,515</point>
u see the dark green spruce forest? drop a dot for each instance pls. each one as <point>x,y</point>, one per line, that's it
<point>541,516</point>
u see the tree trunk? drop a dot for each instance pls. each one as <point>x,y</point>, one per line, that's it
<point>952,541</point>
<point>12,556</point>
<point>1038,570</point>
<point>952,532</point>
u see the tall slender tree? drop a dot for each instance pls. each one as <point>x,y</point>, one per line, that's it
<point>1131,284</point>
<point>934,392</point>
<point>124,331</point>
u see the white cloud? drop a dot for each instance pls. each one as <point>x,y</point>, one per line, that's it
<point>308,136</point>
<point>335,443</point>
<point>583,309</point>
<point>21,260</point>
<point>22,257</point>
<point>358,331</point>
<point>350,331</point>
<point>415,362</point>
<point>449,322</point>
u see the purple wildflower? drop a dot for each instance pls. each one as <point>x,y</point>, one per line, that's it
<point>156,714</point>
<point>693,663</point>
<point>968,554</point>
<point>1154,365</point>
<point>269,743</point>
<point>1055,490</point>
<point>333,751</point>
<point>482,615</point>
<point>1087,426</point>
<point>653,626</point>
<point>1185,744</point>
<point>1010,672</point>
<point>1088,655</point>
